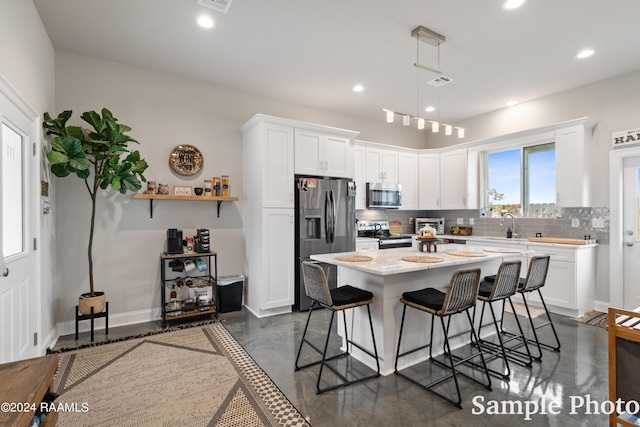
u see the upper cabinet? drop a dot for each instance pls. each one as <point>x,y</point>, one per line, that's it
<point>382,164</point>
<point>453,179</point>
<point>429,180</point>
<point>323,154</point>
<point>408,179</point>
<point>359,170</point>
<point>573,158</point>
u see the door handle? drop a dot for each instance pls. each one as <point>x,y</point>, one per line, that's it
<point>5,273</point>
<point>628,243</point>
<point>327,231</point>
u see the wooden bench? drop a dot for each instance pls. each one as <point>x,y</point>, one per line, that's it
<point>624,359</point>
<point>26,382</point>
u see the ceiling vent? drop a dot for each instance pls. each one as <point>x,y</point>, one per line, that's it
<point>219,5</point>
<point>440,81</point>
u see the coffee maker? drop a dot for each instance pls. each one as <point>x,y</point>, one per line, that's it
<point>174,241</point>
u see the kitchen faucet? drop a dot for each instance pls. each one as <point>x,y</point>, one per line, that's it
<point>513,224</point>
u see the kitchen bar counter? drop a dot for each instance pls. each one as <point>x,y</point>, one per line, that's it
<point>387,277</point>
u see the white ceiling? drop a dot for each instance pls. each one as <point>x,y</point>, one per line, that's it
<point>314,52</point>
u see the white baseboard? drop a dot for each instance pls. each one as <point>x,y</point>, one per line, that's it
<point>49,341</point>
<point>271,312</point>
<point>115,320</point>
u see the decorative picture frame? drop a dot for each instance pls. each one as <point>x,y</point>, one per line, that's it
<point>182,190</point>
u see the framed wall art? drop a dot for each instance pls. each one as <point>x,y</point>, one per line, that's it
<point>182,190</point>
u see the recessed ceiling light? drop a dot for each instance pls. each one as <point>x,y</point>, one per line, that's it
<point>358,88</point>
<point>204,21</point>
<point>430,109</point>
<point>511,103</point>
<point>512,4</point>
<point>585,53</point>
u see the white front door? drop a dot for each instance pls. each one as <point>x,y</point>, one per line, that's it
<point>631,232</point>
<point>18,292</point>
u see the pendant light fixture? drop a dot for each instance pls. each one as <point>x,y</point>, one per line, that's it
<point>423,34</point>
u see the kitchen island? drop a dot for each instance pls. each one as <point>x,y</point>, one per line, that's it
<point>387,276</point>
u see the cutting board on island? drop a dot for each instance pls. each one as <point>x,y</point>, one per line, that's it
<point>395,227</point>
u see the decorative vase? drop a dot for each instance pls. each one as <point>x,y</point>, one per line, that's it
<point>86,301</point>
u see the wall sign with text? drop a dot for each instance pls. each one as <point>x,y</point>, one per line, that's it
<point>626,137</point>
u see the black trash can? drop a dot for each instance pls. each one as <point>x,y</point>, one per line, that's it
<point>229,292</point>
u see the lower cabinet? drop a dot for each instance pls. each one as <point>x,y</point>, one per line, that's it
<point>367,245</point>
<point>570,285</point>
<point>278,284</point>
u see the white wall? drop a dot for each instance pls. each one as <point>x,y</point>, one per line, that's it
<point>27,63</point>
<point>613,103</point>
<point>163,111</point>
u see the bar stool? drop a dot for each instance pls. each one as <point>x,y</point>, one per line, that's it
<point>460,297</point>
<point>535,280</point>
<point>339,299</point>
<point>502,288</point>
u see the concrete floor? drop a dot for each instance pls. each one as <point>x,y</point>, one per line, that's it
<point>577,373</point>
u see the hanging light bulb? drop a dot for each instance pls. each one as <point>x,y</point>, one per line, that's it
<point>406,120</point>
<point>389,116</point>
<point>420,124</point>
<point>435,127</point>
<point>460,132</point>
<point>447,129</point>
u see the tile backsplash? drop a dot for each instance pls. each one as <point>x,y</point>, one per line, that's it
<point>572,222</point>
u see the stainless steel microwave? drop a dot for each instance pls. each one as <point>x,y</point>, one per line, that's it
<point>384,195</point>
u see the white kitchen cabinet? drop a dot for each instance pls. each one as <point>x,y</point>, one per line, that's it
<point>268,165</point>
<point>573,160</point>
<point>382,165</point>
<point>366,244</point>
<point>278,258</point>
<point>322,154</point>
<point>268,203</point>
<point>359,169</point>
<point>408,179</point>
<point>453,179</point>
<point>429,181</point>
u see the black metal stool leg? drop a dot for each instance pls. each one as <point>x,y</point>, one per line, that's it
<point>553,328</point>
<point>304,335</point>
<point>324,353</point>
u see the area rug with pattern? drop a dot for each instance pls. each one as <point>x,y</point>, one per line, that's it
<point>593,318</point>
<point>192,377</point>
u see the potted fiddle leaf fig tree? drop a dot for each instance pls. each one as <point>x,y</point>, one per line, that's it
<point>99,156</point>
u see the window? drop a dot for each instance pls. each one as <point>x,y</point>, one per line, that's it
<point>522,180</point>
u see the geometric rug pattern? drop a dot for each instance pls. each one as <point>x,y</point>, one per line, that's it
<point>596,318</point>
<point>192,377</point>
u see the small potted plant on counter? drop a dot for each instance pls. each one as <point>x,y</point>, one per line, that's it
<point>99,156</point>
<point>493,196</point>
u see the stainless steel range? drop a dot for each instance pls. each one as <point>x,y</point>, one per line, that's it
<point>380,231</point>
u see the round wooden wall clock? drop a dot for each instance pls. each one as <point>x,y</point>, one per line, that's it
<point>186,159</point>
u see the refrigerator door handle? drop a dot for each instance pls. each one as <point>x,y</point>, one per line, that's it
<point>334,217</point>
<point>327,232</point>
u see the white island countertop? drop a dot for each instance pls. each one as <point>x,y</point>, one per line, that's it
<point>389,261</point>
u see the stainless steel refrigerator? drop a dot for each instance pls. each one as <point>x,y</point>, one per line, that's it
<point>325,223</point>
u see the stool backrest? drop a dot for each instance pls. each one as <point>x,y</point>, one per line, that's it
<point>462,291</point>
<point>537,274</point>
<point>507,280</point>
<point>315,283</point>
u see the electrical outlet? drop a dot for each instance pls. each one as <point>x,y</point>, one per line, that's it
<point>597,222</point>
<point>471,221</point>
<point>410,221</point>
<point>575,222</point>
<point>460,221</point>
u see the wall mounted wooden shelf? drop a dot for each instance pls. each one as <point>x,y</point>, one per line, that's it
<point>152,197</point>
